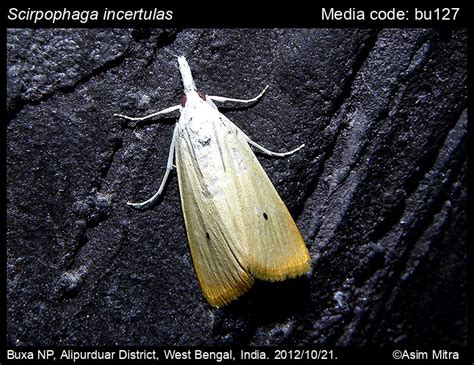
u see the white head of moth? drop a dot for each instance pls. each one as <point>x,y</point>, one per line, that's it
<point>237,226</point>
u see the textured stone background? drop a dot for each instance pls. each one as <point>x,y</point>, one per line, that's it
<point>379,193</point>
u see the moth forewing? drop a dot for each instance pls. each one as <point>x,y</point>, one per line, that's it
<point>218,251</point>
<point>276,250</point>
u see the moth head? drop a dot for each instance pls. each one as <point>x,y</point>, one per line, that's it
<point>188,81</point>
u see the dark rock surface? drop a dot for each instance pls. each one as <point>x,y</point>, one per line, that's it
<point>379,193</point>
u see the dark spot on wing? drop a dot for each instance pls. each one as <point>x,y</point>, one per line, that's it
<point>265,215</point>
<point>208,237</point>
<point>183,100</point>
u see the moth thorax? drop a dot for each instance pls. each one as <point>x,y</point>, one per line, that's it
<point>186,76</point>
<point>184,98</point>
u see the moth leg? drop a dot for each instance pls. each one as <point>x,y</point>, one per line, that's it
<point>164,111</point>
<point>271,153</point>
<point>169,167</point>
<point>244,101</point>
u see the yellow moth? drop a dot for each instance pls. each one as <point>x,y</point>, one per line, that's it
<point>237,225</point>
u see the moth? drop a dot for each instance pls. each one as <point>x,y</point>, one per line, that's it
<point>238,227</point>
